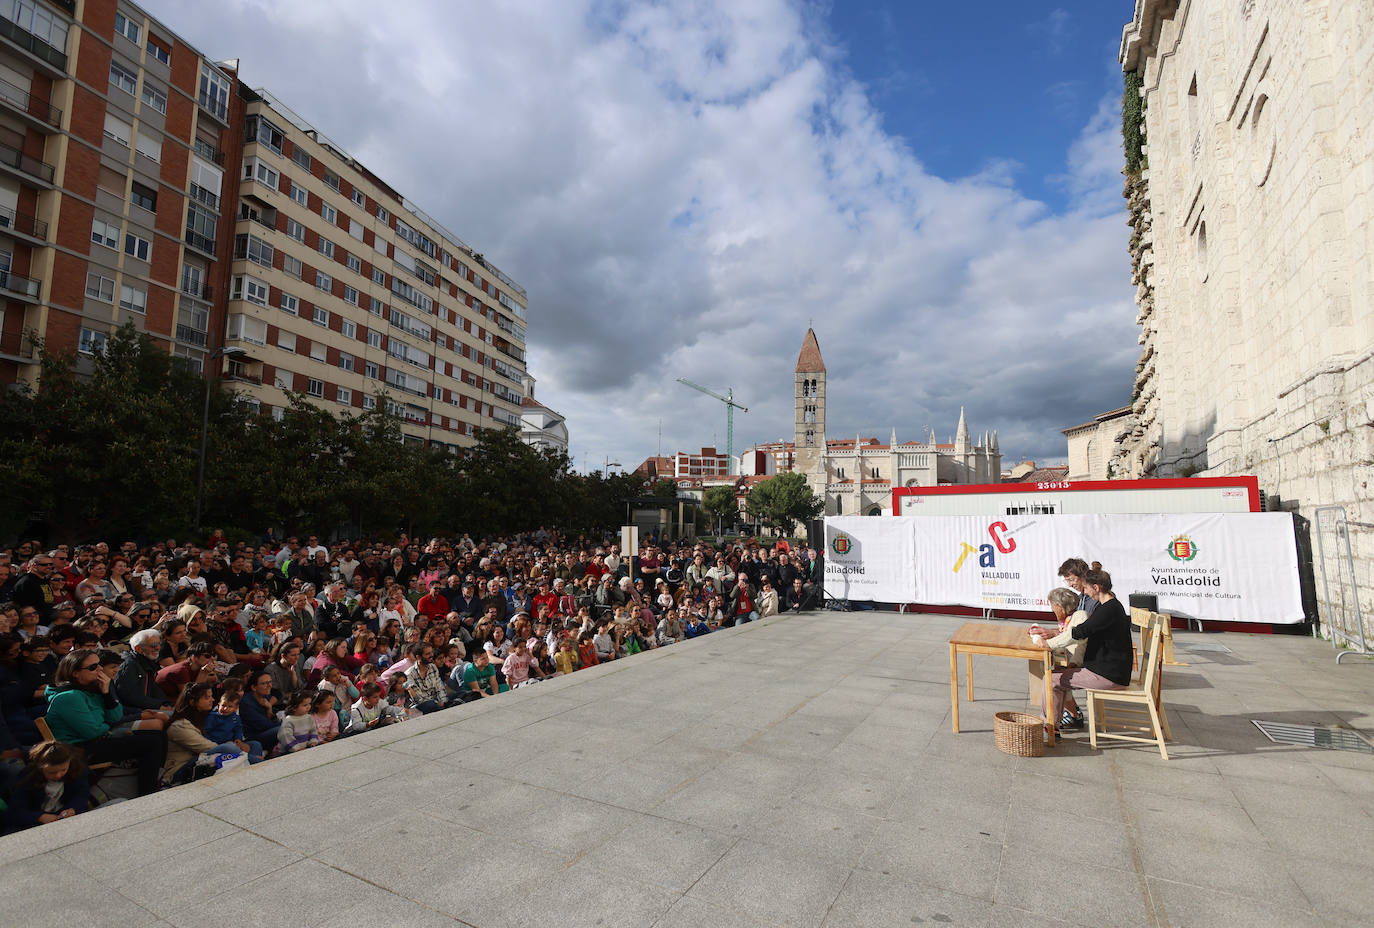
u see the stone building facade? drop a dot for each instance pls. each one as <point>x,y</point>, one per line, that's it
<point>1092,445</point>
<point>1253,249</point>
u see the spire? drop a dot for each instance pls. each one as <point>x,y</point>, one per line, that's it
<point>809,361</point>
<point>994,441</point>
<point>931,440</point>
<point>961,434</point>
<point>892,445</point>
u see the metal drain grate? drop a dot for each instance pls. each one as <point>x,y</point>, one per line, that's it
<point>1201,646</point>
<point>1332,737</point>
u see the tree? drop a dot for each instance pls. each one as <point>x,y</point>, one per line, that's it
<point>784,500</point>
<point>720,503</point>
<point>664,488</point>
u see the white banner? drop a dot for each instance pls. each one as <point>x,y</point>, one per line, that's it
<point>1217,566</point>
<point>870,558</point>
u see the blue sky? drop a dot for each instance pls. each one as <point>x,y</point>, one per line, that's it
<point>683,186</point>
<point>968,85</point>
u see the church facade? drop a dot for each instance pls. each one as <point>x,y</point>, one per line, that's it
<point>856,475</point>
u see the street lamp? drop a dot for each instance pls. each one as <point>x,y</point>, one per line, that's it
<point>226,352</point>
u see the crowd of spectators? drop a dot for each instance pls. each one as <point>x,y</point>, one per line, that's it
<point>174,660</point>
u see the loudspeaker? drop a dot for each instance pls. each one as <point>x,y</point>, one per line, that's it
<point>815,534</point>
<point>1144,601</point>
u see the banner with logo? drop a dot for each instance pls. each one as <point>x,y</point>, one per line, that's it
<point>870,558</point>
<point>1216,566</point>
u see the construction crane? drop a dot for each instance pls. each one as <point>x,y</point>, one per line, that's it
<point>730,406</point>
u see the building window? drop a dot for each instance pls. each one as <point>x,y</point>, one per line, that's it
<point>123,79</point>
<point>378,276</point>
<point>105,233</point>
<point>289,304</point>
<point>374,338</point>
<point>382,214</point>
<point>318,351</point>
<point>286,341</point>
<point>326,248</point>
<point>92,342</point>
<point>261,171</point>
<point>348,328</point>
<point>344,395</point>
<point>118,130</point>
<point>371,371</point>
<point>126,28</point>
<point>133,299</point>
<point>321,316</point>
<point>314,387</point>
<point>324,282</point>
<point>330,214</point>
<point>301,157</point>
<point>345,361</point>
<point>100,288</point>
<point>331,178</point>
<point>157,51</point>
<point>267,133</point>
<point>214,93</point>
<point>299,195</point>
<point>355,264</point>
<point>250,289</point>
<point>143,197</point>
<point>295,230</point>
<point>369,402</point>
<point>254,249</point>
<point>350,295</point>
<point>292,267</point>
<point>359,197</point>
<point>149,146</point>
<point>154,98</point>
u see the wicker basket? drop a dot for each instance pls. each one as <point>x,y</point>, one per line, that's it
<point>1019,734</point>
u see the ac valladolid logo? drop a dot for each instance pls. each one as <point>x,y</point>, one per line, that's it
<point>1182,548</point>
<point>841,543</point>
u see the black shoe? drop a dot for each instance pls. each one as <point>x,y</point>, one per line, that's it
<point>1068,722</point>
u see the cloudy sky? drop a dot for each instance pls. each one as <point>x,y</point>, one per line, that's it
<point>684,187</point>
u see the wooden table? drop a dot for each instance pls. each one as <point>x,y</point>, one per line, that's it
<point>998,640</point>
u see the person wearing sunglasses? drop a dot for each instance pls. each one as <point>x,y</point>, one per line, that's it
<point>84,711</point>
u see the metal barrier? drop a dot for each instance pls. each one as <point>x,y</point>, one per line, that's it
<point>1333,551</point>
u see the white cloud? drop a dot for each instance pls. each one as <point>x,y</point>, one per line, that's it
<point>684,187</point>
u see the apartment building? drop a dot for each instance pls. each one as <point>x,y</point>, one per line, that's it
<point>342,289</point>
<point>107,123</point>
<point>142,182</point>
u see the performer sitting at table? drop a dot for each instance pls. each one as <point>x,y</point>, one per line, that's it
<point>1107,655</point>
<point>1064,602</point>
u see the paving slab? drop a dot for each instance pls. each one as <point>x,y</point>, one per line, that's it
<point>800,771</point>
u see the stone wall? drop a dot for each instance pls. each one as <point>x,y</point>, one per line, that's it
<point>1253,225</point>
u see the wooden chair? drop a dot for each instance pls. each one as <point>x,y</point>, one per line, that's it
<point>1141,618</point>
<point>1133,713</point>
<point>45,733</point>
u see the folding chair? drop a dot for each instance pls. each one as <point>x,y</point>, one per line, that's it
<point>1133,713</point>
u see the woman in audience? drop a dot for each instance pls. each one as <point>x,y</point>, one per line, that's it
<point>186,738</point>
<point>176,638</point>
<point>258,710</point>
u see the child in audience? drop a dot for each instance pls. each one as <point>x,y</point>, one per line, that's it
<point>224,726</point>
<point>326,718</point>
<point>53,786</point>
<point>259,636</point>
<point>605,644</point>
<point>587,655</point>
<point>519,665</point>
<point>565,659</point>
<point>298,730</point>
<point>345,693</point>
<point>371,711</point>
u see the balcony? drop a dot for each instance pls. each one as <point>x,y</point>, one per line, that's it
<point>23,226</point>
<point>15,161</point>
<point>20,287</point>
<point>200,291</point>
<point>201,243</point>
<point>203,196</point>
<point>208,151</point>
<point>38,113</point>
<point>53,60</point>
<point>236,377</point>
<point>192,336</point>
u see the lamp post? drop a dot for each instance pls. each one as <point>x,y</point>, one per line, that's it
<point>227,352</point>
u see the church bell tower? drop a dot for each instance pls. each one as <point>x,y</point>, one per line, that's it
<point>810,407</point>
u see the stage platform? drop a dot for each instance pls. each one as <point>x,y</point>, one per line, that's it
<point>799,771</point>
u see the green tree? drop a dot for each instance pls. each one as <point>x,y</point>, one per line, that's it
<point>720,503</point>
<point>664,488</point>
<point>783,501</point>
